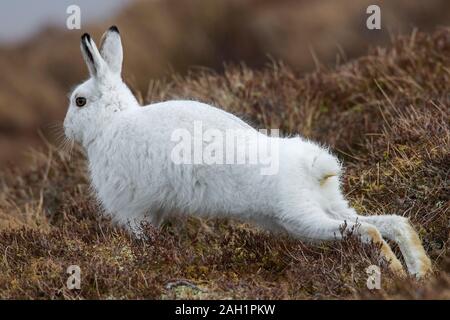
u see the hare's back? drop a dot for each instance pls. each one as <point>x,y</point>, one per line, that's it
<point>185,113</point>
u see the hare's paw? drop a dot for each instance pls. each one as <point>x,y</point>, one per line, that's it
<point>422,266</point>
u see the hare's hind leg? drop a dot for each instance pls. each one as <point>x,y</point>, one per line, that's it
<point>312,222</point>
<point>397,229</point>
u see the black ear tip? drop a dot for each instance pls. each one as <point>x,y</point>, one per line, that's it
<point>114,29</point>
<point>85,36</point>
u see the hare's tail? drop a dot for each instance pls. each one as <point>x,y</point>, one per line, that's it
<point>323,166</point>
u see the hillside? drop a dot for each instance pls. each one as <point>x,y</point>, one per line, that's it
<point>387,115</point>
<point>163,37</point>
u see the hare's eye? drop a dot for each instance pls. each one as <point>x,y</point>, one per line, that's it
<point>80,101</point>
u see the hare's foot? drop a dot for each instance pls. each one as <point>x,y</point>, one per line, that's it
<point>399,230</point>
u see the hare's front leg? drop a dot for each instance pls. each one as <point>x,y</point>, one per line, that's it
<point>397,229</point>
<point>310,221</point>
<point>132,218</point>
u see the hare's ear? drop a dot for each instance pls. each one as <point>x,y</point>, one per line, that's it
<point>111,50</point>
<point>92,57</point>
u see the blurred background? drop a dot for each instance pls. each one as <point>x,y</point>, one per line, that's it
<point>40,60</point>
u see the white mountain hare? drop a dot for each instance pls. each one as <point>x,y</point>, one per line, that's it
<point>132,155</point>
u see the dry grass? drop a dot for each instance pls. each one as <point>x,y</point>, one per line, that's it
<point>386,115</point>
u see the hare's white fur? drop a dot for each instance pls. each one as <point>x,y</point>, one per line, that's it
<point>129,153</point>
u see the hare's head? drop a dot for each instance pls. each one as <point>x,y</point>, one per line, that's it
<point>93,102</point>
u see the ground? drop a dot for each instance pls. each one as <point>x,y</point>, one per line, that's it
<point>386,115</point>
